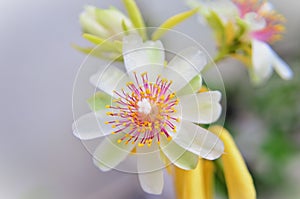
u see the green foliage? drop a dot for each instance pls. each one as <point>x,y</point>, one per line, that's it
<point>99,101</point>
<point>172,22</point>
<point>136,17</point>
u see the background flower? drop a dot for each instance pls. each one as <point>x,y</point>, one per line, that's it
<point>243,30</point>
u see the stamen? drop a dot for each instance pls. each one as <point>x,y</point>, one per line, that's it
<point>146,112</point>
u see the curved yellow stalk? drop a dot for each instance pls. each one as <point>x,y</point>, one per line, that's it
<point>195,184</point>
<point>238,179</point>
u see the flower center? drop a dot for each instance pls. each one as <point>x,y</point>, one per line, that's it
<point>145,112</point>
<point>144,106</point>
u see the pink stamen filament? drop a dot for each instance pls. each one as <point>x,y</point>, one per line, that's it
<point>144,126</point>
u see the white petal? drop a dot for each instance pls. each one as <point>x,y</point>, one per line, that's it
<point>112,19</point>
<point>91,126</point>
<point>152,182</point>
<point>150,167</point>
<point>261,60</point>
<point>89,24</point>
<point>179,156</point>
<point>109,79</point>
<point>110,153</point>
<point>138,54</point>
<point>203,108</point>
<point>281,67</point>
<point>187,64</point>
<point>199,141</point>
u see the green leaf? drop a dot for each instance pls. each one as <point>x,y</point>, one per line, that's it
<point>192,87</point>
<point>86,50</point>
<point>124,27</point>
<point>100,53</point>
<point>136,17</point>
<point>171,22</point>
<point>216,24</point>
<point>99,101</point>
<point>104,44</point>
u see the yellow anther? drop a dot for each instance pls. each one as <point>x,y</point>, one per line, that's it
<point>109,113</point>
<point>107,106</point>
<point>106,122</point>
<point>169,138</point>
<point>119,141</point>
<point>178,119</point>
<point>124,124</point>
<point>140,144</point>
<point>129,83</point>
<point>113,126</point>
<point>113,133</point>
<point>162,97</point>
<point>148,91</point>
<point>144,73</point>
<point>158,142</point>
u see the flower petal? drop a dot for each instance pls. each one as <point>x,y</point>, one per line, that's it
<point>137,54</point>
<point>187,64</point>
<point>281,67</point>
<point>192,184</point>
<point>177,155</point>
<point>112,19</point>
<point>199,141</point>
<point>110,153</point>
<point>109,79</point>
<point>262,61</point>
<point>91,126</point>
<point>150,167</point>
<point>235,169</point>
<point>203,108</point>
<point>89,23</point>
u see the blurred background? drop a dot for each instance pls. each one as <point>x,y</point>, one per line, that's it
<point>40,157</point>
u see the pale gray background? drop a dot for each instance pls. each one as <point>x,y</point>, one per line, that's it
<point>39,156</point>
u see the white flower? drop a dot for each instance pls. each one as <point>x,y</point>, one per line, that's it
<point>153,111</point>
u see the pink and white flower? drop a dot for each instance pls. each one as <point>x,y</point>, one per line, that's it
<point>263,26</point>
<point>154,111</point>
